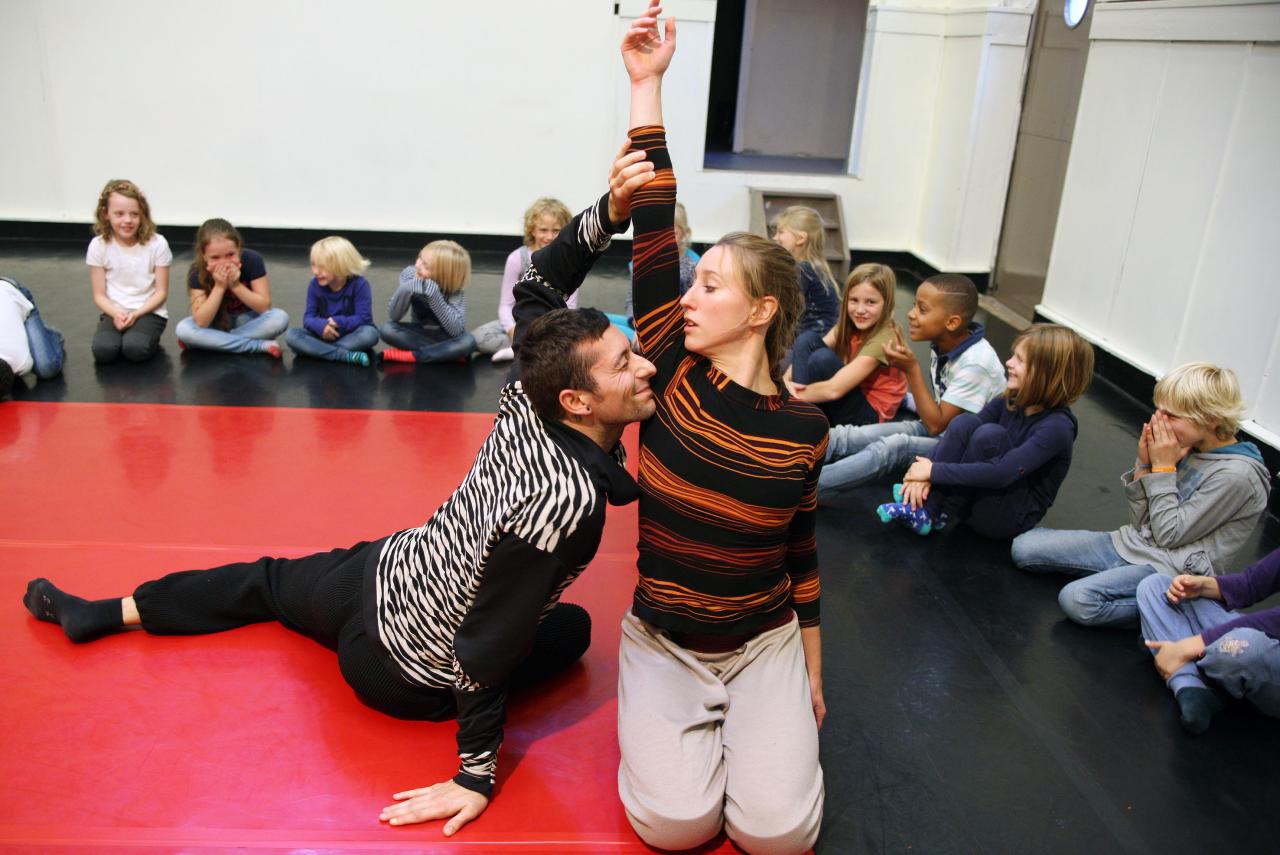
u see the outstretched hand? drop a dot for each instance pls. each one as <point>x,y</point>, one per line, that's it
<point>1187,587</point>
<point>630,172</point>
<point>645,54</point>
<point>438,801</point>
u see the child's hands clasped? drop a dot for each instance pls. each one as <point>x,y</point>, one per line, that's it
<point>330,332</point>
<point>916,483</point>
<point>225,274</point>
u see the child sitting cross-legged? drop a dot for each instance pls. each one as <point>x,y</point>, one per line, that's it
<point>431,291</point>
<point>999,471</point>
<point>1195,493</point>
<point>966,374</point>
<point>1201,644</point>
<point>338,324</point>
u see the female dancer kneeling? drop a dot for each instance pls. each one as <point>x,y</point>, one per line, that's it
<point>720,688</point>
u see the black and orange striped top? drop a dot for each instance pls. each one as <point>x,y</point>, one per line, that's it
<point>728,477</point>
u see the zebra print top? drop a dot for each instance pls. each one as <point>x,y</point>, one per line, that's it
<point>527,517</point>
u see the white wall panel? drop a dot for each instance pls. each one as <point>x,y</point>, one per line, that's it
<point>1165,250</point>
<point>1234,308</point>
<point>950,147</point>
<point>1117,106</point>
<point>1179,182</point>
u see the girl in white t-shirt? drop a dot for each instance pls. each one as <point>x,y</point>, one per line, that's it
<point>129,268</point>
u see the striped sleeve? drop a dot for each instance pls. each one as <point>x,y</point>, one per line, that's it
<point>451,311</point>
<point>655,277</point>
<point>802,547</point>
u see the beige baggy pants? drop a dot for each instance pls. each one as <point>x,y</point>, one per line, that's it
<point>718,738</point>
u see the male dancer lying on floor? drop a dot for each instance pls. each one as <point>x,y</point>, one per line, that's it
<point>440,621</point>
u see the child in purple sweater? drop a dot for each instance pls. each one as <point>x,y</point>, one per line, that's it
<point>338,324</point>
<point>999,471</point>
<point>1198,642</point>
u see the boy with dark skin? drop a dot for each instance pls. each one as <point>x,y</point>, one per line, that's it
<point>966,374</point>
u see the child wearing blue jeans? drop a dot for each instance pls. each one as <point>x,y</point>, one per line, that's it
<point>999,471</point>
<point>432,292</point>
<point>966,373</point>
<point>26,344</point>
<point>1197,642</point>
<point>338,323</point>
<point>1194,494</point>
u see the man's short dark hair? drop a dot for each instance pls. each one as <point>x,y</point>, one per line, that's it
<point>958,292</point>
<point>552,358</point>
<point>6,379</point>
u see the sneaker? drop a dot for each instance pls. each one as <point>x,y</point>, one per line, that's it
<point>504,355</point>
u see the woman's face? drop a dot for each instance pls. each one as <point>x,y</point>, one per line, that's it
<point>865,306</point>
<point>221,250</point>
<point>717,310</point>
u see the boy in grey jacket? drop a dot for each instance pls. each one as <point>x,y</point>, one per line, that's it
<point>1195,493</point>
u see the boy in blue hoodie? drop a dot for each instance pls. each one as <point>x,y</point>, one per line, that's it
<point>966,373</point>
<point>1195,493</point>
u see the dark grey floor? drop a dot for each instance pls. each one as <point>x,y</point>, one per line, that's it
<point>966,714</point>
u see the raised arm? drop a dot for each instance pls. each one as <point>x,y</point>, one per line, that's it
<point>655,255</point>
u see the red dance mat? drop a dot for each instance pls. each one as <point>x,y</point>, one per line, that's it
<point>250,739</point>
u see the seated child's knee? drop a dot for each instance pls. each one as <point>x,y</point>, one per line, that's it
<point>1151,590</point>
<point>1236,654</point>
<point>990,439</point>
<point>1079,603</point>
<point>103,352</point>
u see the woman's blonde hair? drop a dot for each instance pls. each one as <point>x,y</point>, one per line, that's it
<point>102,225</point>
<point>768,270</point>
<point>878,276</point>
<point>800,219</point>
<point>684,237</point>
<point>337,256</point>
<point>1205,394</point>
<point>450,265</point>
<point>541,207</point>
<point>1059,366</point>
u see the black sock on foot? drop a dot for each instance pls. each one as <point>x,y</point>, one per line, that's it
<point>80,619</point>
<point>1197,708</point>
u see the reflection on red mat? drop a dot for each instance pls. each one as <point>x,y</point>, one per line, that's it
<point>250,739</point>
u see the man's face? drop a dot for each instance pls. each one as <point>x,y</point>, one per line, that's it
<point>622,394</point>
